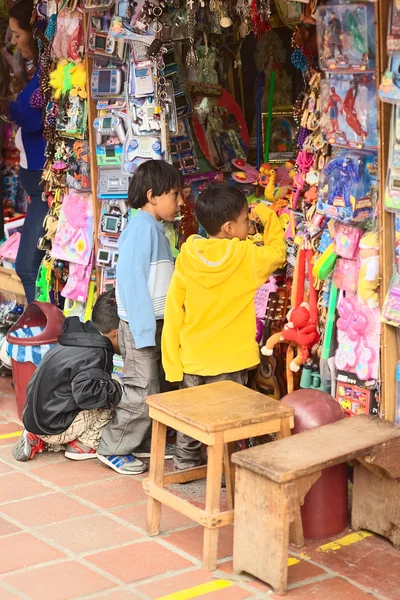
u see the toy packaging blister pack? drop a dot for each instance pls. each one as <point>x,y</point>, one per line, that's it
<point>392,190</point>
<point>348,187</point>
<point>349,110</point>
<point>342,37</point>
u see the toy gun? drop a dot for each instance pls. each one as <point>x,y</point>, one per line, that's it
<point>43,282</point>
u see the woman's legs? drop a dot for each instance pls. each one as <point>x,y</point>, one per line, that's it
<point>29,256</point>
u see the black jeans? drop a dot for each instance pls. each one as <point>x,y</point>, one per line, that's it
<point>29,257</point>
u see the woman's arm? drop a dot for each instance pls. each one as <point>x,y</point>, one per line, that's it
<point>21,112</point>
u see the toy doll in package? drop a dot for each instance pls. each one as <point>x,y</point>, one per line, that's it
<point>348,187</point>
<point>342,35</point>
<point>349,114</point>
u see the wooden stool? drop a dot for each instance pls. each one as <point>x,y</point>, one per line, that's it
<point>218,415</point>
<point>273,480</point>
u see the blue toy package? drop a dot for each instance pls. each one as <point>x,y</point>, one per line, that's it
<point>342,37</point>
<point>348,187</point>
<point>349,114</point>
<point>389,90</point>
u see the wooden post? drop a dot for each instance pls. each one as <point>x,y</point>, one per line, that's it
<point>389,350</point>
<point>92,114</point>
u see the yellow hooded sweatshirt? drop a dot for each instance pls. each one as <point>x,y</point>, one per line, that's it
<point>209,320</point>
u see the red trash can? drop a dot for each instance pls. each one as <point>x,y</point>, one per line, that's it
<point>37,314</point>
<point>325,508</point>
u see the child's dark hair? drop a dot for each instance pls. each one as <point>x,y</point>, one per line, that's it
<point>217,205</point>
<point>105,316</point>
<point>156,175</point>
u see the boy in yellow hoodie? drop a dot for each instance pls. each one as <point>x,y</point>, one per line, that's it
<point>210,324</point>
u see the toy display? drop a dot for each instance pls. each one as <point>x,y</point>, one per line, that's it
<point>348,187</point>
<point>126,82</point>
<point>349,110</point>
<point>342,33</point>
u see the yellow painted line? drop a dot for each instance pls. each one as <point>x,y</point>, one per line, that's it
<point>304,556</point>
<point>198,590</point>
<point>347,540</point>
<point>292,561</point>
<point>6,436</point>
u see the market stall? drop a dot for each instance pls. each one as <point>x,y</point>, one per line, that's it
<point>278,98</point>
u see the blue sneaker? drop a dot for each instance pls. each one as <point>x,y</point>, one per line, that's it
<point>144,452</point>
<point>125,465</point>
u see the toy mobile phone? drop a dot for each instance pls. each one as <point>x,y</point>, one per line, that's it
<point>106,82</point>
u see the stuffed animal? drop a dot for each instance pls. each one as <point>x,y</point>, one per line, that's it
<point>78,81</point>
<point>57,78</point>
<point>368,278</point>
<point>300,330</point>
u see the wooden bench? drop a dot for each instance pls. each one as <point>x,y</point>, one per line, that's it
<point>218,415</point>
<point>273,480</point>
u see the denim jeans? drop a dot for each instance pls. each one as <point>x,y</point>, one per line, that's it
<point>29,256</point>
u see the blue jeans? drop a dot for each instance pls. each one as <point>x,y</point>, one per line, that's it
<point>29,256</point>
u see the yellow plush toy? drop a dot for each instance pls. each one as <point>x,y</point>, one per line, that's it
<point>57,78</point>
<point>368,277</point>
<point>78,81</point>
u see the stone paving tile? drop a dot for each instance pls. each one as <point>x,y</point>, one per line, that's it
<point>16,486</point>
<point>329,589</point>
<point>74,472</point>
<point>6,528</point>
<point>111,493</point>
<point>44,510</point>
<point>117,595</point>
<point>138,561</point>
<point>6,428</point>
<point>88,534</point>
<point>5,594</point>
<point>191,541</point>
<point>299,571</point>
<point>137,515</point>
<point>24,550</point>
<point>190,579</point>
<point>61,581</point>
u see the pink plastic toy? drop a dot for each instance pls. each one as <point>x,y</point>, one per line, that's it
<point>346,240</point>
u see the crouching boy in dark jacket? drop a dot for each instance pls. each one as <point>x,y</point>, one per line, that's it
<point>71,395</point>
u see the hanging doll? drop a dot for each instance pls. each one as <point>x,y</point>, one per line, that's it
<point>301,328</point>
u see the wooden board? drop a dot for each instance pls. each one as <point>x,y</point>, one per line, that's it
<point>389,346</point>
<point>219,406</point>
<point>319,448</point>
<point>376,504</point>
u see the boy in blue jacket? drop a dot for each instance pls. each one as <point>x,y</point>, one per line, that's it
<point>144,270</point>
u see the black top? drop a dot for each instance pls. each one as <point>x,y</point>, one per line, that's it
<point>74,375</point>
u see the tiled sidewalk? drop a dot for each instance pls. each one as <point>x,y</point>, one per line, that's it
<point>72,530</point>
